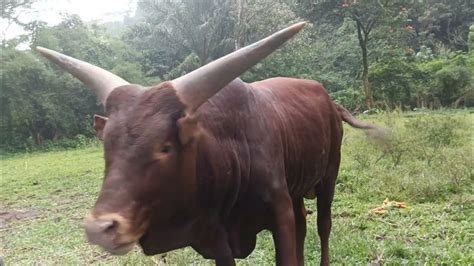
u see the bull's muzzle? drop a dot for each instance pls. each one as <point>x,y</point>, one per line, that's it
<point>108,232</point>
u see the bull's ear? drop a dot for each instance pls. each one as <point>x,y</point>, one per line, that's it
<point>188,129</point>
<point>99,124</point>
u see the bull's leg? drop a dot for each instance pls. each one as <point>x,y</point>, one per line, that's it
<point>225,262</point>
<point>325,194</point>
<point>284,231</point>
<point>300,222</point>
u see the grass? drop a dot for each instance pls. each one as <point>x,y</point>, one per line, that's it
<point>45,195</point>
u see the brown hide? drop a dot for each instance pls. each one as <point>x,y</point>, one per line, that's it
<point>270,137</point>
<point>258,141</point>
<point>214,180</point>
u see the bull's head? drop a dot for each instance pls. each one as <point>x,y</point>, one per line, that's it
<point>150,146</point>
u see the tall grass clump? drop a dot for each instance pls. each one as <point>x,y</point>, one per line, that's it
<point>426,157</point>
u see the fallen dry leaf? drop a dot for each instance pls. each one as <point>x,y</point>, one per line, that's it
<point>379,210</point>
<point>395,204</point>
<point>388,204</point>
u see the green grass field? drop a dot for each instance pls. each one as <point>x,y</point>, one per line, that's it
<point>428,164</point>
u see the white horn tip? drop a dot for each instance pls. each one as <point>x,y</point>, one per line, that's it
<point>45,51</point>
<point>41,49</point>
<point>298,26</point>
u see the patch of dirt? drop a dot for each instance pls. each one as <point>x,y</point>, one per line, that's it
<point>8,216</point>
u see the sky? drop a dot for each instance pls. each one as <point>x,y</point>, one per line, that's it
<point>52,12</point>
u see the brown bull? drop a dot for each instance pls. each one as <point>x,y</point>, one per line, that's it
<point>209,161</point>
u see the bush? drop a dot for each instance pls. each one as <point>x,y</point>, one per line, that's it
<point>453,80</point>
<point>427,158</point>
<point>395,80</point>
<point>351,98</point>
<point>447,79</point>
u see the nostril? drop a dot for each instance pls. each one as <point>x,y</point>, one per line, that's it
<point>111,227</point>
<point>102,226</point>
<point>108,226</point>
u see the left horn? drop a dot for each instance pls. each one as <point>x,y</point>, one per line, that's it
<point>198,86</point>
<point>101,81</point>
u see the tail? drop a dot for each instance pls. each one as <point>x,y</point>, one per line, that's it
<point>371,130</point>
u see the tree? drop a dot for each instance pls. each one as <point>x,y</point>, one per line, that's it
<point>171,31</point>
<point>445,21</point>
<point>397,79</point>
<point>367,15</point>
<point>258,18</point>
<point>38,101</point>
<point>11,11</point>
<point>179,36</point>
<point>471,39</point>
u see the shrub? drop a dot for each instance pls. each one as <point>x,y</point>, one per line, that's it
<point>427,158</point>
<point>350,98</point>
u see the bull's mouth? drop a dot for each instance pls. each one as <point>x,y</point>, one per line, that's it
<point>122,249</point>
<point>113,232</point>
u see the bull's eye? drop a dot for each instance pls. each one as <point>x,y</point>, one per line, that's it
<point>166,148</point>
<point>162,151</point>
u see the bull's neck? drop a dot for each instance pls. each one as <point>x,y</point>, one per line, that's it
<point>216,182</point>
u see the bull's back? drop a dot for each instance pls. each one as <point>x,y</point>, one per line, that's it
<point>310,127</point>
<point>290,123</point>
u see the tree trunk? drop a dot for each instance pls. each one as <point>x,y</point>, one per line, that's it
<point>363,38</point>
<point>241,25</point>
<point>369,99</point>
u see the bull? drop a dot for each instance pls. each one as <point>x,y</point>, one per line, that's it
<point>208,161</point>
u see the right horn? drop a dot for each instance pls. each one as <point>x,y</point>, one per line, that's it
<point>198,86</point>
<point>101,81</point>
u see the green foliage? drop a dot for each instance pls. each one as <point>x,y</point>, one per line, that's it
<point>395,80</point>
<point>190,63</point>
<point>424,79</point>
<point>11,10</point>
<point>40,103</point>
<point>410,60</point>
<point>426,158</point>
<point>446,21</point>
<point>455,78</point>
<point>448,79</point>
<point>167,32</point>
<point>38,106</point>
<point>350,98</point>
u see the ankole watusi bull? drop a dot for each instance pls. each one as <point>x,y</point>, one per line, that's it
<point>208,161</point>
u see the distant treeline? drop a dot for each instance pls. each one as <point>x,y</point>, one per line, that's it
<point>368,54</point>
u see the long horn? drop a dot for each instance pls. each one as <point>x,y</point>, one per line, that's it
<point>101,81</point>
<point>198,86</point>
